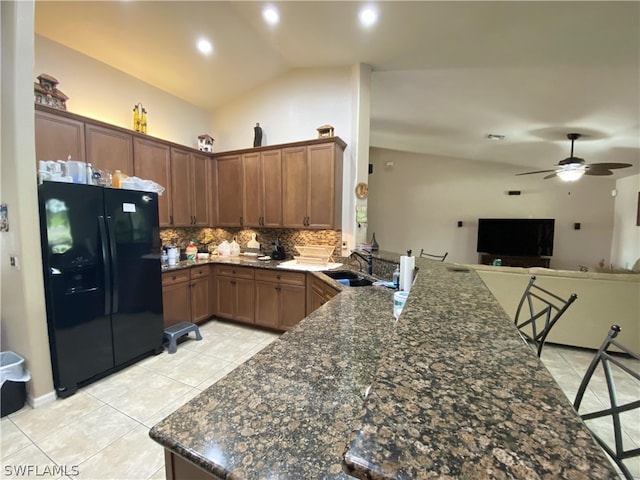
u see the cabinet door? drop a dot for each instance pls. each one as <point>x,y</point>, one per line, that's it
<point>200,189</point>
<point>57,137</point>
<point>245,301</point>
<point>294,187</point>
<point>229,189</point>
<point>267,304</point>
<point>293,306</point>
<point>109,149</point>
<point>151,161</point>
<point>200,300</point>
<point>181,193</point>
<point>176,303</point>
<point>225,297</point>
<point>320,190</point>
<point>251,191</point>
<point>271,188</point>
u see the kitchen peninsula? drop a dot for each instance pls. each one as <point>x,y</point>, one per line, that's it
<point>450,390</point>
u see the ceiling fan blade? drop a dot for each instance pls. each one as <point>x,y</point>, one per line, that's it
<point>601,172</point>
<point>608,166</point>
<point>550,176</point>
<point>539,171</point>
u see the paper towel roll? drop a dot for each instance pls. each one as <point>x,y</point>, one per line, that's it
<point>407,265</point>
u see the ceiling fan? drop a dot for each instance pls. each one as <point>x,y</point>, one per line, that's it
<point>572,168</point>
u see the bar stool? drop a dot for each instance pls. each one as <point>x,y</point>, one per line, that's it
<point>606,359</point>
<point>541,304</point>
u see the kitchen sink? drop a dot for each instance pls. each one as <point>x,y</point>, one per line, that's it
<point>341,275</point>
<point>349,278</point>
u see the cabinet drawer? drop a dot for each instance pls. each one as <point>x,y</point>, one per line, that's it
<point>237,272</point>
<point>177,276</point>
<point>281,276</point>
<point>198,272</point>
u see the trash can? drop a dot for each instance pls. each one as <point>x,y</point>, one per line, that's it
<point>13,378</point>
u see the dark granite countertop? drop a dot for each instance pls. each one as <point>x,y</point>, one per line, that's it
<point>455,393</point>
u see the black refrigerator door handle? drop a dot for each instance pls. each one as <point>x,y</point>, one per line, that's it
<point>102,228</point>
<point>114,265</point>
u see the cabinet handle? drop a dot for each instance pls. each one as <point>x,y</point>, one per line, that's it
<point>170,219</point>
<point>241,221</point>
<point>233,282</point>
<point>278,288</point>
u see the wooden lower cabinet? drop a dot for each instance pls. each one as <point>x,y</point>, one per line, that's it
<point>318,293</point>
<point>235,291</point>
<point>179,468</point>
<point>186,295</point>
<point>280,298</point>
<point>176,297</point>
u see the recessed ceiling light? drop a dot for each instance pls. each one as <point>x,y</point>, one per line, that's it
<point>493,136</point>
<point>271,15</point>
<point>368,16</point>
<point>204,46</point>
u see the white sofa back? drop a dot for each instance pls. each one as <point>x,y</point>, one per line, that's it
<point>603,299</point>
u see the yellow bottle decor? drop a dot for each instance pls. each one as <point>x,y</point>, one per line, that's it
<point>143,121</point>
<point>116,180</point>
<point>136,117</point>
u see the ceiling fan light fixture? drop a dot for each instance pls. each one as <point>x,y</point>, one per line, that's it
<point>571,174</point>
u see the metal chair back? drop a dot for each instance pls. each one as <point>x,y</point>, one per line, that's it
<point>433,256</point>
<point>543,310</point>
<point>604,358</point>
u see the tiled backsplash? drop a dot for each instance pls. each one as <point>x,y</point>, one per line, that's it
<point>209,238</point>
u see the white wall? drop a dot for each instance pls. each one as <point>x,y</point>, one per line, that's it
<point>22,308</point>
<point>291,108</point>
<point>417,202</point>
<point>625,248</point>
<point>99,91</point>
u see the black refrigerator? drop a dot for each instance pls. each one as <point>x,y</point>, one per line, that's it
<point>102,278</point>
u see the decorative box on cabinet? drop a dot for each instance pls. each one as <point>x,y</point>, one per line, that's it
<point>280,298</point>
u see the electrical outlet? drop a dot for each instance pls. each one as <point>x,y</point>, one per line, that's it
<point>14,262</point>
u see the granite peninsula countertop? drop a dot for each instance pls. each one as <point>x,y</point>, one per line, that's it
<point>454,393</point>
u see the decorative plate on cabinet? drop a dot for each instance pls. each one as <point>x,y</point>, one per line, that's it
<point>362,190</point>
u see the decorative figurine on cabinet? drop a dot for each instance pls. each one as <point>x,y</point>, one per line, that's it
<point>46,92</point>
<point>205,143</point>
<point>325,131</point>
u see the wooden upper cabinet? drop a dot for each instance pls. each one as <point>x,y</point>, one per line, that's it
<point>109,149</point>
<point>152,161</point>
<point>312,186</point>
<point>229,190</point>
<point>324,195</point>
<point>200,200</point>
<point>295,178</point>
<point>251,194</point>
<point>57,137</point>
<point>262,189</point>
<point>180,188</point>
<point>271,188</point>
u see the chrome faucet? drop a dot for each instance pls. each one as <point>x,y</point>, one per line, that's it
<point>366,257</point>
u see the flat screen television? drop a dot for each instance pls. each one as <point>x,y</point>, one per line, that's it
<point>527,237</point>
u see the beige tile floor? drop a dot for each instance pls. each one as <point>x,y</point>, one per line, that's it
<point>102,431</point>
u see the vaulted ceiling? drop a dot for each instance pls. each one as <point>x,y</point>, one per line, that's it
<point>445,74</point>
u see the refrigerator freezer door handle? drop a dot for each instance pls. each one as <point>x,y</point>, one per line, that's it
<point>102,227</point>
<point>114,265</point>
